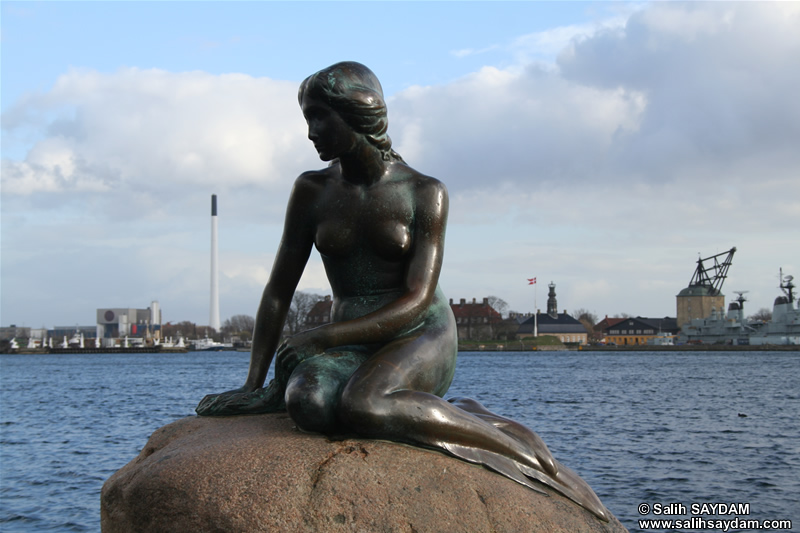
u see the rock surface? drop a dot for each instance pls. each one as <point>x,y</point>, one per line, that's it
<point>259,473</point>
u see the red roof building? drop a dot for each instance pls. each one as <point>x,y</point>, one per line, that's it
<point>475,321</point>
<point>320,314</point>
<point>599,329</point>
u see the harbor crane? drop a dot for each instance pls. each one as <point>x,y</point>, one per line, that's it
<point>712,276</point>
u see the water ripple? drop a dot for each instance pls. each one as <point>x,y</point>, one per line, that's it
<point>638,427</point>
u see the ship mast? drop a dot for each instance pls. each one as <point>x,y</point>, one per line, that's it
<point>787,286</point>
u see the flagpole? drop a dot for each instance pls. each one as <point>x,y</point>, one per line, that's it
<point>535,311</point>
<point>532,281</point>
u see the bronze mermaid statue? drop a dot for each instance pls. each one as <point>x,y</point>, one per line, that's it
<point>381,367</point>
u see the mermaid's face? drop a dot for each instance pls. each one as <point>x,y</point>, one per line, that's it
<point>331,135</point>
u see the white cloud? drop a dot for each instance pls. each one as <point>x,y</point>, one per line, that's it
<point>466,52</point>
<point>686,23</point>
<point>524,126</point>
<point>650,141</point>
<point>144,129</point>
<point>544,46</point>
<point>718,78</point>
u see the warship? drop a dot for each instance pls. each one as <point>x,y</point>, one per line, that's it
<point>784,328</point>
<point>733,327</point>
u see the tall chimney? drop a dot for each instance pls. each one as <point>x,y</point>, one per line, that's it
<point>213,321</point>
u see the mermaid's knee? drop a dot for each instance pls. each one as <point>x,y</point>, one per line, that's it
<point>350,411</point>
<point>315,387</point>
<point>310,407</point>
<point>364,412</point>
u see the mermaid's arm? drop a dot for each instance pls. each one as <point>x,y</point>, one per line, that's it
<point>290,261</point>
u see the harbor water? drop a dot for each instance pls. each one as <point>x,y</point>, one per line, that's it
<point>640,428</point>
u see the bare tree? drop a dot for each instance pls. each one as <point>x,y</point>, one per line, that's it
<point>762,315</point>
<point>184,329</point>
<point>585,317</point>
<point>239,325</point>
<point>498,304</point>
<point>302,303</point>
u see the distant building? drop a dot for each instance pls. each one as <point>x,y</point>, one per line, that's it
<point>476,321</point>
<point>39,333</point>
<point>321,313</point>
<point>519,318</point>
<point>703,296</point>
<point>640,330</point>
<point>599,329</point>
<point>58,332</point>
<point>552,303</point>
<point>698,302</point>
<point>563,327</point>
<point>560,325</point>
<point>13,331</point>
<point>120,322</point>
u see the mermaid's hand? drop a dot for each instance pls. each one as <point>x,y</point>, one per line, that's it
<point>294,351</point>
<point>269,399</point>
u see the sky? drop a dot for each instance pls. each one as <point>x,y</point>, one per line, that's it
<point>603,147</point>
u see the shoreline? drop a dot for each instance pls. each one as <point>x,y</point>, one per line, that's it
<point>464,348</point>
<point>634,348</point>
<point>696,348</point>
<point>115,350</point>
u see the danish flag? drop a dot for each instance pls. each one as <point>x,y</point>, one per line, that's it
<point>531,281</point>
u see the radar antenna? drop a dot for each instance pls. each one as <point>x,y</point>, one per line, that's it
<point>712,277</point>
<point>741,299</point>
<point>787,286</point>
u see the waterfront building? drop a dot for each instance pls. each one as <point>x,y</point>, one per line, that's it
<point>476,321</point>
<point>58,332</point>
<point>641,331</point>
<point>599,329</point>
<point>698,303</point>
<point>119,322</point>
<point>13,331</point>
<point>563,326</point>
<point>704,295</point>
<point>40,334</point>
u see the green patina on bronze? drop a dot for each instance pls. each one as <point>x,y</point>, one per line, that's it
<point>382,366</point>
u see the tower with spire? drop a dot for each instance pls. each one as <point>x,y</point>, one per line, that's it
<point>559,325</point>
<point>552,303</point>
